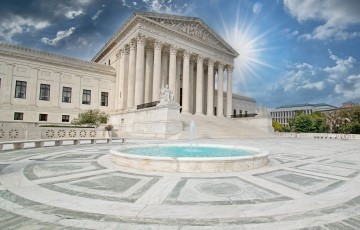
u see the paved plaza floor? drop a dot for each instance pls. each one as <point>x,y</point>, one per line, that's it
<point>308,184</point>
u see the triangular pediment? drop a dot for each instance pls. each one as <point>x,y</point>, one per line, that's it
<point>192,27</point>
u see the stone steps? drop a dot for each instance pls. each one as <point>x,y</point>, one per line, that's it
<point>218,127</point>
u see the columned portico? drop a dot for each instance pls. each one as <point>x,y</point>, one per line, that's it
<point>187,64</point>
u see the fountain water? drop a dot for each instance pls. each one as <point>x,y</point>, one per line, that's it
<point>193,157</point>
<point>192,132</point>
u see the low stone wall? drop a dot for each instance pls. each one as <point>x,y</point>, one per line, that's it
<point>18,135</point>
<point>320,135</point>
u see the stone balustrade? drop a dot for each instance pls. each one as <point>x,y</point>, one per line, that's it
<point>18,136</point>
<point>320,135</point>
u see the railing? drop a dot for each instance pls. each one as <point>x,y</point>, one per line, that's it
<point>147,105</point>
<point>244,115</point>
<point>320,135</point>
<point>18,136</point>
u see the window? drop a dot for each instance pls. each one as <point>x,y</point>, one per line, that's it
<point>18,116</point>
<point>109,61</point>
<point>44,92</point>
<point>20,89</point>
<point>66,94</point>
<point>104,98</point>
<point>43,117</point>
<point>86,98</point>
<point>65,118</point>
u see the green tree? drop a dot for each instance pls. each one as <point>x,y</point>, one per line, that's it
<point>307,123</point>
<point>319,123</point>
<point>91,117</point>
<point>350,120</point>
<point>278,127</point>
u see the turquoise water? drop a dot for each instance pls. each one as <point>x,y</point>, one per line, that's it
<point>187,151</point>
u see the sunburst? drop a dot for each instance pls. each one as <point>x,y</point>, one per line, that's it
<point>250,45</point>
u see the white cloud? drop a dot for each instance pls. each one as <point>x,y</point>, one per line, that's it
<point>335,16</point>
<point>161,6</point>
<point>72,14</point>
<point>98,13</point>
<point>15,24</point>
<point>315,85</point>
<point>350,89</point>
<point>60,35</point>
<point>342,66</point>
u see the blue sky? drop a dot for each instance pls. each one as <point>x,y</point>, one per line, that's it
<point>291,51</point>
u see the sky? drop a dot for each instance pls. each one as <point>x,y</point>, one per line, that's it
<point>291,51</point>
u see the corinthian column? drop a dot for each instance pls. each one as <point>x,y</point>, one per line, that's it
<point>199,85</point>
<point>131,80</point>
<point>120,93</point>
<point>172,69</point>
<point>229,70</point>
<point>220,107</point>
<point>157,71</point>
<point>210,89</point>
<point>148,74</point>
<point>117,79</point>
<point>140,73</point>
<point>186,84</point>
<point>125,74</point>
<point>164,68</point>
<point>178,80</point>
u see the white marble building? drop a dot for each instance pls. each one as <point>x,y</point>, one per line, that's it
<point>149,52</point>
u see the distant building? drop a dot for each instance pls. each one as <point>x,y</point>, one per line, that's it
<point>283,113</point>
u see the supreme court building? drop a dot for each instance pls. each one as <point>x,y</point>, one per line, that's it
<point>149,52</point>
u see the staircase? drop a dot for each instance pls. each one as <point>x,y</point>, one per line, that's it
<point>218,128</point>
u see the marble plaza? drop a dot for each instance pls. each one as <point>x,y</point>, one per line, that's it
<point>308,184</point>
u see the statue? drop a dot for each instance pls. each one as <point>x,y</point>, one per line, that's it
<point>166,95</point>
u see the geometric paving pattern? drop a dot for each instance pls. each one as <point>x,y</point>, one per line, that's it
<point>308,184</point>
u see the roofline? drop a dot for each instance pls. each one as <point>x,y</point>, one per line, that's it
<point>304,105</point>
<point>25,52</point>
<point>145,13</point>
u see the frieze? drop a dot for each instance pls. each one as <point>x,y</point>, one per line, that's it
<point>193,29</point>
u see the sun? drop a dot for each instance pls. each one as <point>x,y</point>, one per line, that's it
<point>250,45</point>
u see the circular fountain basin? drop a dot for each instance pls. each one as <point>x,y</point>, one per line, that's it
<point>186,158</point>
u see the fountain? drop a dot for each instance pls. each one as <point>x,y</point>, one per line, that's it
<point>193,157</point>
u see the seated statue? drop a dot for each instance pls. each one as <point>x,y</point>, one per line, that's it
<point>166,95</point>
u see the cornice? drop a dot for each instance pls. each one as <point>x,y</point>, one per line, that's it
<point>137,16</point>
<point>32,54</point>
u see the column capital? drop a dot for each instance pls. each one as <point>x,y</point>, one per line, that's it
<point>229,68</point>
<point>158,45</point>
<point>221,66</point>
<point>140,39</point>
<point>199,59</point>
<point>210,63</point>
<point>126,50</point>
<point>120,53</point>
<point>187,54</point>
<point>173,50</point>
<point>132,45</point>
